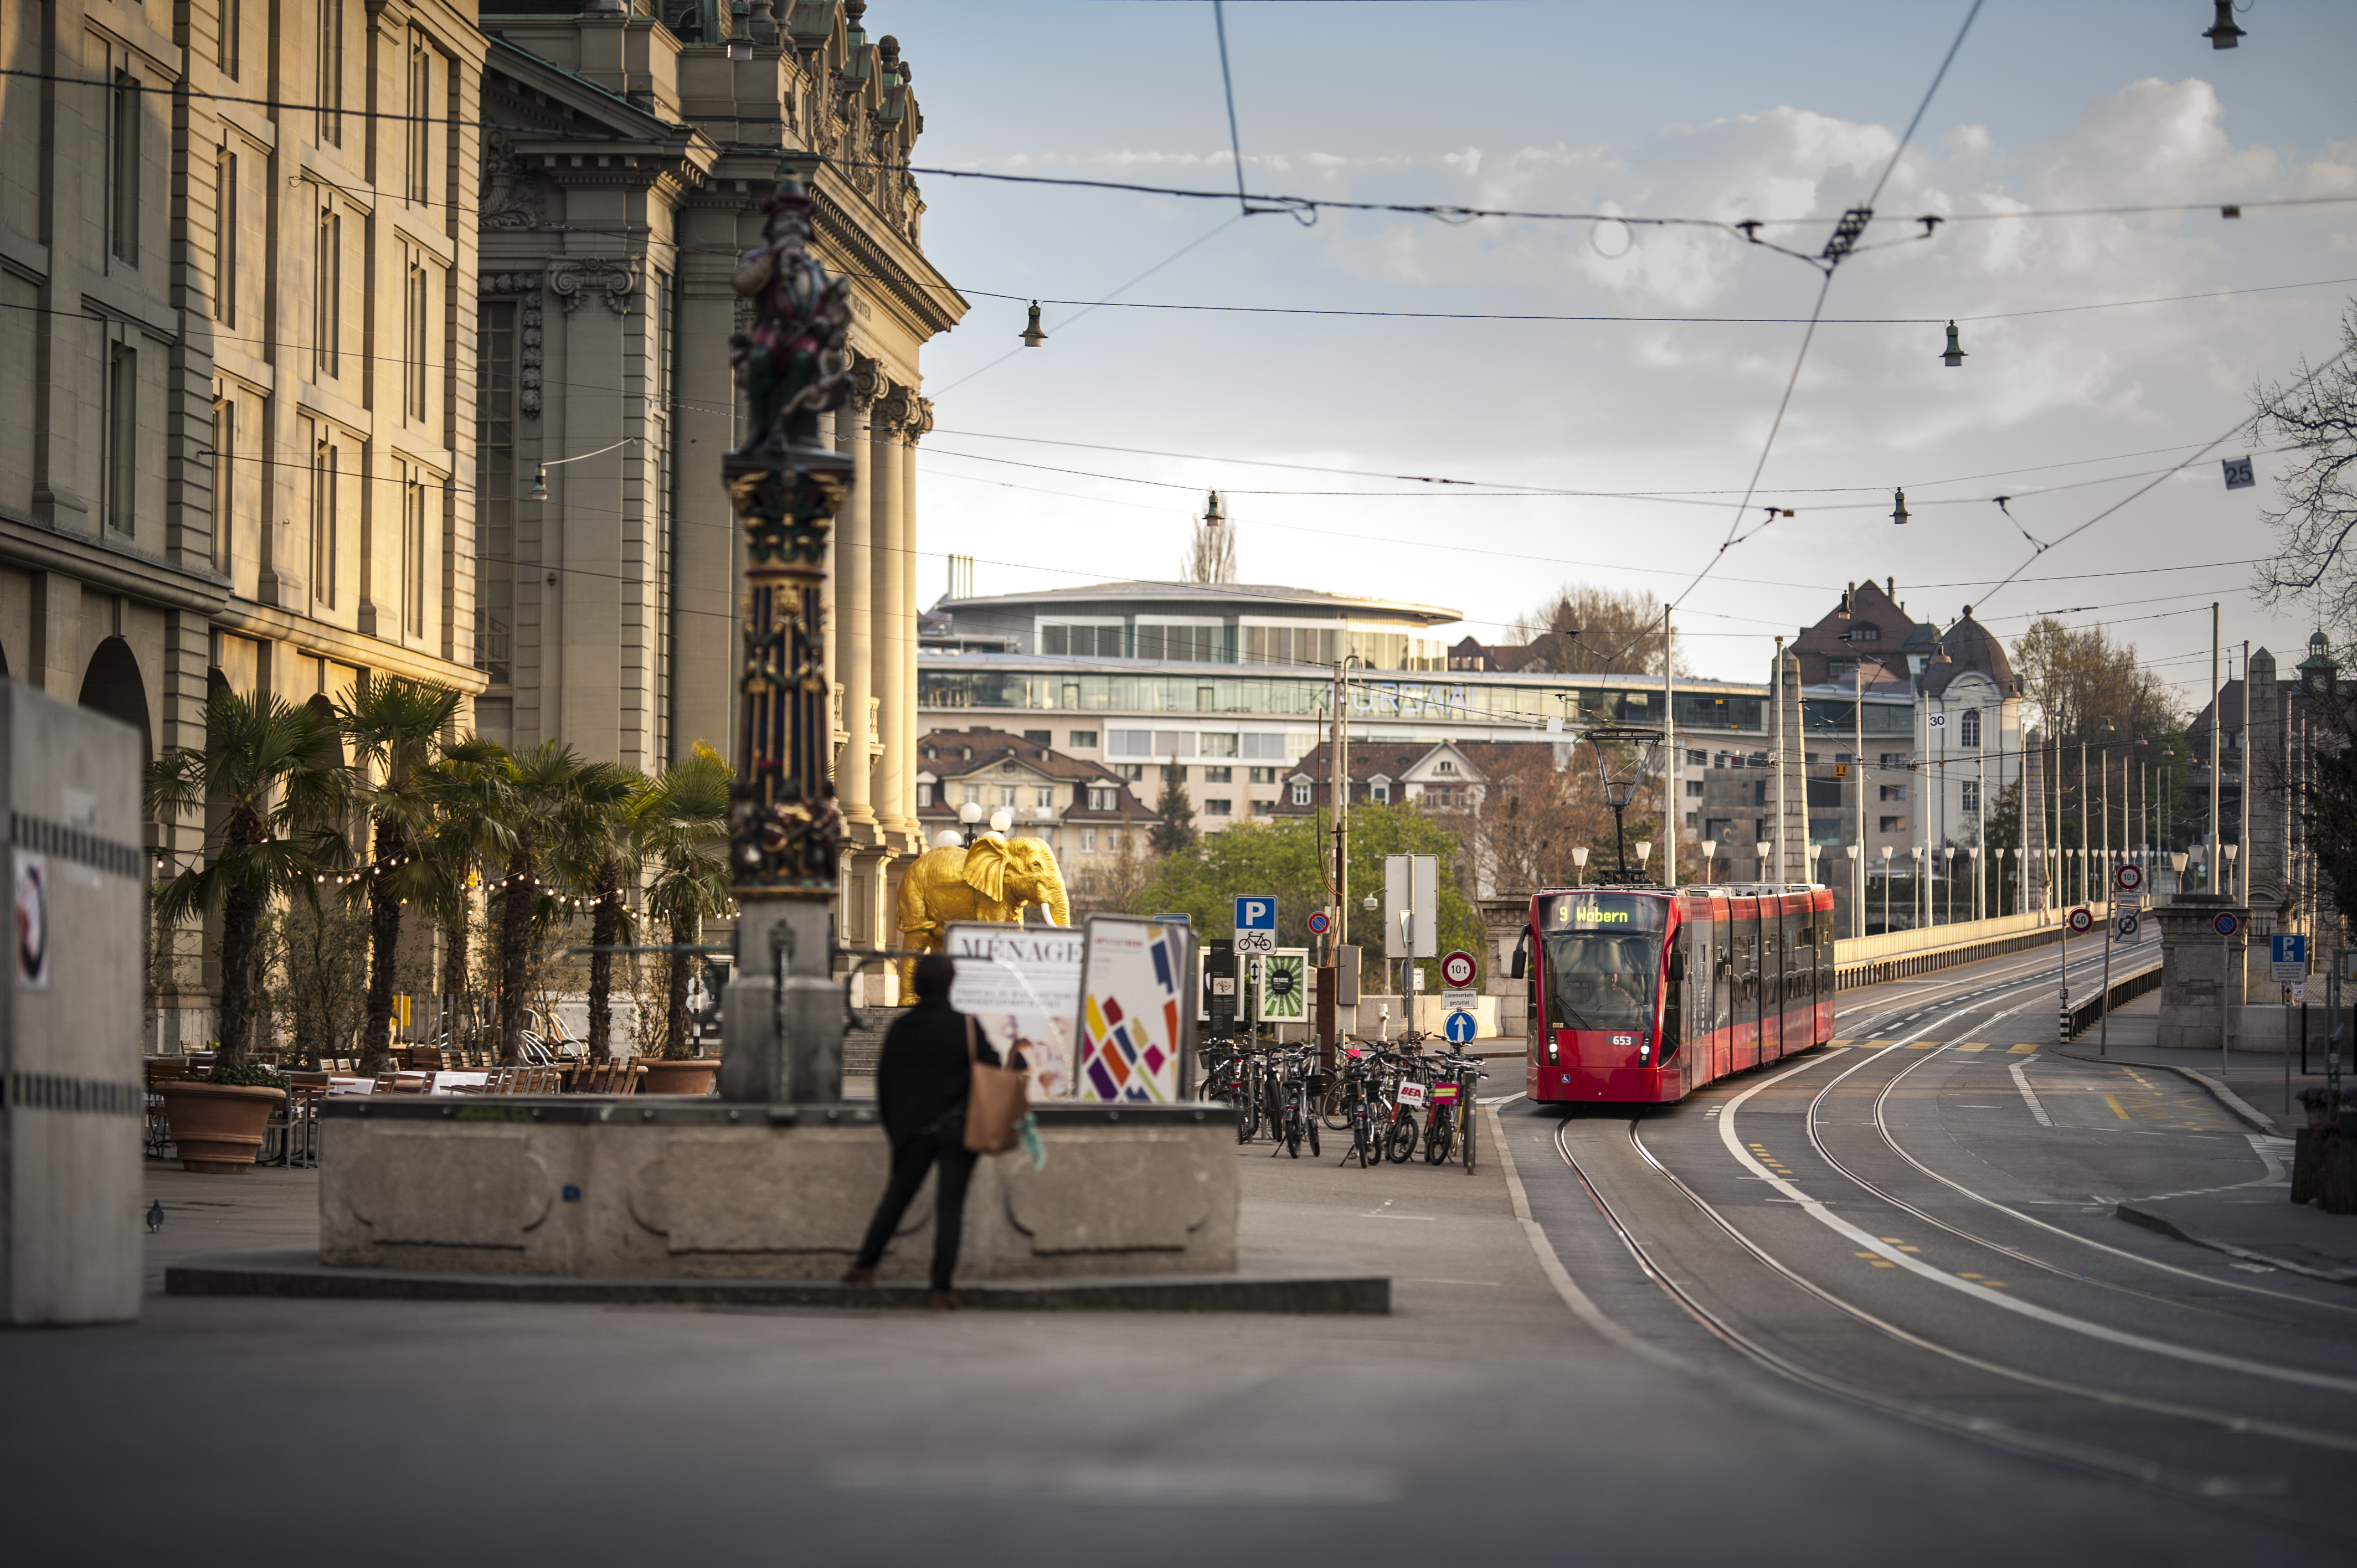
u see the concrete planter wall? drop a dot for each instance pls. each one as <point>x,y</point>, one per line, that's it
<point>596,1187</point>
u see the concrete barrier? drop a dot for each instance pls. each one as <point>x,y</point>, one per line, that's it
<point>585,1185</point>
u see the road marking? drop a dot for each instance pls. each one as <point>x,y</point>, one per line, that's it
<point>2020,1050</point>
<point>2022,1081</point>
<point>1876,1045</point>
<point>1924,1045</point>
<point>2114,1101</point>
<point>1974,1045</point>
<point>1426,1282</point>
<point>1817,1210</point>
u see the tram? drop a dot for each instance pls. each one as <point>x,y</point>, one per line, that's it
<point>1644,994</point>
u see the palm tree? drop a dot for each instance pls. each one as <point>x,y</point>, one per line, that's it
<point>549,803</point>
<point>467,835</point>
<point>603,851</point>
<point>268,774</point>
<point>681,822</point>
<point>393,725</point>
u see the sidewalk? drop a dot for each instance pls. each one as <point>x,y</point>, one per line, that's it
<point>2256,1224</point>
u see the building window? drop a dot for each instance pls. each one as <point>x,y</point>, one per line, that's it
<point>1082,739</point>
<point>1218,808</point>
<point>1693,787</point>
<point>330,73</point>
<point>1697,759</point>
<point>328,297</point>
<point>1891,825</point>
<point>415,304</point>
<point>1972,798</point>
<point>224,480</point>
<point>495,413</point>
<point>1841,669</point>
<point>123,170</point>
<point>1112,840</point>
<point>1894,791</point>
<point>1866,634</point>
<point>1082,641</point>
<point>1103,798</point>
<point>1444,766</point>
<point>1216,745</point>
<point>1380,791</point>
<point>1087,841</point>
<point>226,38</point>
<point>1263,775</point>
<point>1219,776</point>
<point>1044,797</point>
<point>973,794</point>
<point>122,439</point>
<point>1040,737</point>
<point>225,239</point>
<point>420,106</point>
<point>1693,819</point>
<point>924,795</point>
<point>412,556</point>
<point>1131,742</point>
<point>324,524</point>
<point>1971,729</point>
<point>1895,759</point>
<point>1131,772</point>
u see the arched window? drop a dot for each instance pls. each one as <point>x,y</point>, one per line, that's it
<point>113,686</point>
<point>1972,727</point>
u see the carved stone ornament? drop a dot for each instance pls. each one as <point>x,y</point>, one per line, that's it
<point>616,281</point>
<point>510,197</point>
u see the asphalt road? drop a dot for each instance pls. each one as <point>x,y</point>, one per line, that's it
<point>1535,1392</point>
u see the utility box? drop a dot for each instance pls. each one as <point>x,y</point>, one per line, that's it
<point>70,1183</point>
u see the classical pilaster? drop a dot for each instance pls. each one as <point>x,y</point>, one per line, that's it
<point>2266,853</point>
<point>853,603</point>
<point>1789,861</point>
<point>919,426</point>
<point>894,626</point>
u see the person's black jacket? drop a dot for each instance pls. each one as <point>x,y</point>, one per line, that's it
<point>923,1071</point>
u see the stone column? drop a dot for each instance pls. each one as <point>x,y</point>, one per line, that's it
<point>895,627</point>
<point>1791,829</point>
<point>853,640</point>
<point>918,427</point>
<point>2265,855</point>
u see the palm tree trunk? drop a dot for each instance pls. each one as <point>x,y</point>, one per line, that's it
<point>675,1037</point>
<point>516,901</point>
<point>241,917</point>
<point>453,975</point>
<point>384,937</point>
<point>605,927</point>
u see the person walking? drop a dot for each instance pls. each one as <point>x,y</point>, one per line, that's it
<point>920,1090</point>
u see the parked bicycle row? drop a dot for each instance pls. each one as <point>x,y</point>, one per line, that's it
<point>1389,1099</point>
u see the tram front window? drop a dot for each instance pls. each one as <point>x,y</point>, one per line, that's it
<point>1601,981</point>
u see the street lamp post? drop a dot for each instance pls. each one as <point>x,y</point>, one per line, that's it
<point>1763,848</point>
<point>1948,855</point>
<point>1857,884</point>
<point>1710,860</point>
<point>1920,904</point>
<point>1885,890</point>
<point>1579,859</point>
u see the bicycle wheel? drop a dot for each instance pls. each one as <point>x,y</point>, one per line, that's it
<point>1437,1148</point>
<point>1309,1124</point>
<point>1403,1139</point>
<point>1293,1131</point>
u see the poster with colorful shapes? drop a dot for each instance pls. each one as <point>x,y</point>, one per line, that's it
<point>1133,1031</point>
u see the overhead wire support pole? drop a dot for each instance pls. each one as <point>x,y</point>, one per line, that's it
<point>1671,771</point>
<point>1228,83</point>
<point>2217,722</point>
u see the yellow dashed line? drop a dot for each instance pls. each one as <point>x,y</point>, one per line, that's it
<point>1877,1045</point>
<point>1924,1045</point>
<point>1837,1044</point>
<point>2020,1050</point>
<point>1974,1045</point>
<point>2114,1101</point>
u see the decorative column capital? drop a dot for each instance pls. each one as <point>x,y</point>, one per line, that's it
<point>616,280</point>
<point>868,383</point>
<point>921,424</point>
<point>896,407</point>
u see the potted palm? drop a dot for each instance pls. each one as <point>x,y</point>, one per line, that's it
<point>680,823</point>
<point>394,727</point>
<point>270,776</point>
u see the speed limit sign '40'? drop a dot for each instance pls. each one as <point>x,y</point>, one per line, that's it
<point>2082,920</point>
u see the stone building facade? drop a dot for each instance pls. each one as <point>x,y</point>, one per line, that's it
<point>237,338</point>
<point>625,161</point>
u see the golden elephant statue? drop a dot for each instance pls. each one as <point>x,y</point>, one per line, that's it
<point>992,879</point>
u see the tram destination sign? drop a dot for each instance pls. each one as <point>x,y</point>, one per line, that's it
<point>1600,912</point>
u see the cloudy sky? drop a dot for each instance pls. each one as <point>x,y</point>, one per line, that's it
<point>1720,111</point>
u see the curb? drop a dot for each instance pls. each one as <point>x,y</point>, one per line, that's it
<point>2168,1227</point>
<point>301,1276</point>
<point>2240,1108</point>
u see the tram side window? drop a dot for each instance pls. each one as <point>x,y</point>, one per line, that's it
<point>1795,987</point>
<point>1722,979</point>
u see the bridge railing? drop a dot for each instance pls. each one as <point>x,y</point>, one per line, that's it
<point>1894,955</point>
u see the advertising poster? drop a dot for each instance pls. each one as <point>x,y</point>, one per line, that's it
<point>1133,983</point>
<point>1022,986</point>
<point>1284,986</point>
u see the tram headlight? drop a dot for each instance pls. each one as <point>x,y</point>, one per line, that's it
<point>1554,1049</point>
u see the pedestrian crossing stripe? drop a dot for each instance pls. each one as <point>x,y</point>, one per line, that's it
<point>2020,1050</point>
<point>1973,1046</point>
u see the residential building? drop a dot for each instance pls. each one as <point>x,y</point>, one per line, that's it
<point>1081,809</point>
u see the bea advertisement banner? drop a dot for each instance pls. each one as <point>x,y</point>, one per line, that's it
<point>1022,988</point>
<point>1134,978</point>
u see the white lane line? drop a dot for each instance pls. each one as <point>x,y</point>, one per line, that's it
<point>1582,1306</point>
<point>2022,1081</point>
<point>1868,1241</point>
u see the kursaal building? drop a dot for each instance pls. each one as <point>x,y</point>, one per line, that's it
<point>354,337</point>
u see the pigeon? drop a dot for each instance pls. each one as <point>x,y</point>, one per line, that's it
<point>156,1216</point>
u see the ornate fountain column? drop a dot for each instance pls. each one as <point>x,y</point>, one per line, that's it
<point>783,1014</point>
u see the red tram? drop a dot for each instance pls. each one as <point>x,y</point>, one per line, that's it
<point>1647,993</point>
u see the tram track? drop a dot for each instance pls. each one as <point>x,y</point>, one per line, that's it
<point>2173,1423</point>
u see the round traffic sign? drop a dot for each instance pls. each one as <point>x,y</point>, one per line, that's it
<point>2125,927</point>
<point>1457,970</point>
<point>2128,879</point>
<point>2226,924</point>
<point>1460,1028</point>
<point>2082,920</point>
<point>1318,924</point>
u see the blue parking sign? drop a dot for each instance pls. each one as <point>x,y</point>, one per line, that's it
<point>1460,1028</point>
<point>1255,923</point>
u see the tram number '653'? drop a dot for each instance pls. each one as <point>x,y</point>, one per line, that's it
<point>1624,1039</point>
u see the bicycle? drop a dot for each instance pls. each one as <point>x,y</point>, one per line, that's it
<point>1453,1108</point>
<point>1298,1082</point>
<point>1363,1107</point>
<point>1413,1097</point>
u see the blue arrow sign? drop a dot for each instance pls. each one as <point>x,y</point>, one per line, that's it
<point>1460,1028</point>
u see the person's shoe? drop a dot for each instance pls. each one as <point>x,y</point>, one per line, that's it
<point>941,1301</point>
<point>859,1274</point>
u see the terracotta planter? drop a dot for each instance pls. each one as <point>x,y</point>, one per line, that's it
<point>693,1076</point>
<point>218,1127</point>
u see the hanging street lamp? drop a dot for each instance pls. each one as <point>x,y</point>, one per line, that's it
<point>1898,507</point>
<point>2222,34</point>
<point>1031,334</point>
<point>1953,355</point>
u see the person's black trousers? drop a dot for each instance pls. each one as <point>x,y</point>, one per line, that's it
<point>910,1161</point>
